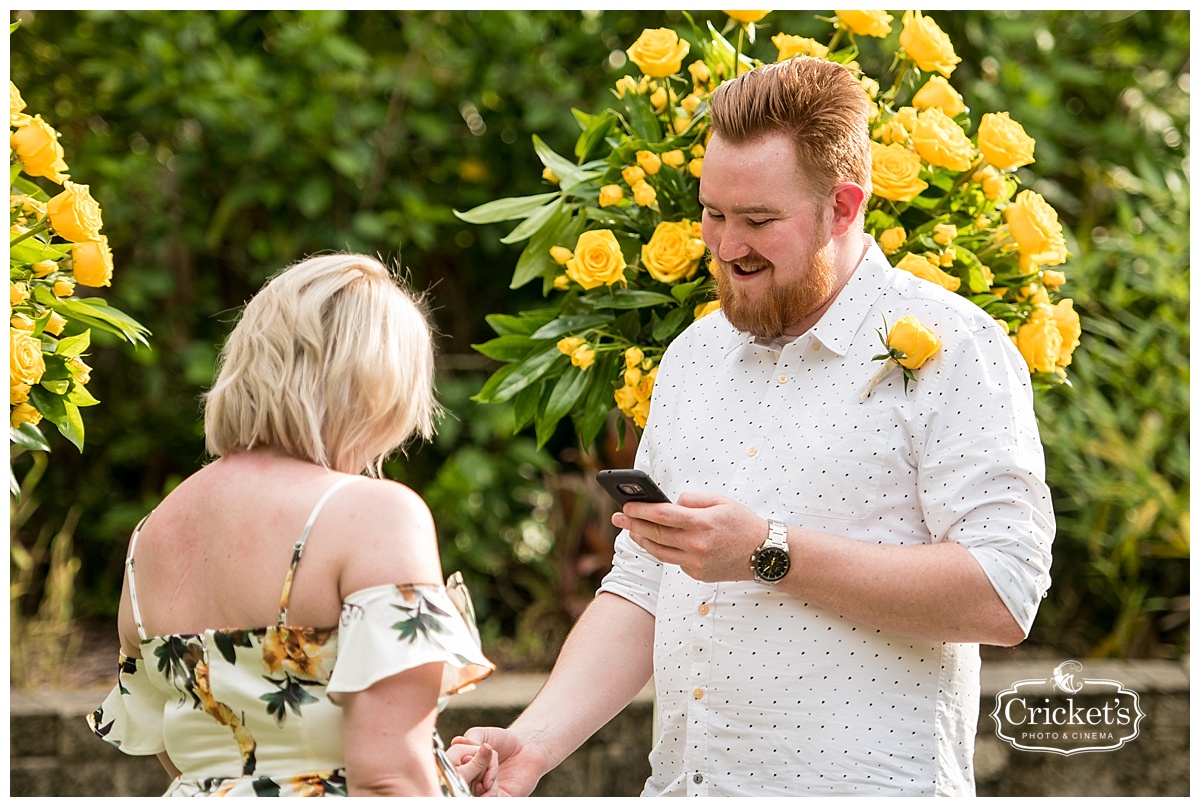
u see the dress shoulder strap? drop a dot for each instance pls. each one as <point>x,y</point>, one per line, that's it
<point>298,547</point>
<point>133,603</point>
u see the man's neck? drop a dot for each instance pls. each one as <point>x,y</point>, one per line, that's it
<point>848,254</point>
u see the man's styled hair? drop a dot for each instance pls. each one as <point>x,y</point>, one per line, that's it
<point>817,103</point>
<point>332,362</point>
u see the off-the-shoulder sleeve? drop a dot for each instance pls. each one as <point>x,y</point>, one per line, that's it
<point>131,717</point>
<point>386,630</point>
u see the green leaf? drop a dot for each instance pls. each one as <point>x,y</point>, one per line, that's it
<point>524,323</point>
<point>567,325</point>
<point>511,347</point>
<point>682,291</point>
<point>590,417</point>
<point>80,396</point>
<point>71,347</point>
<point>633,298</point>
<point>25,186</point>
<point>595,129</point>
<point>63,414</point>
<point>31,250</point>
<point>535,258</point>
<point>96,313</point>
<point>28,436</point>
<point>566,393</point>
<point>534,222</point>
<point>564,169</point>
<point>525,405</point>
<point>642,120</point>
<point>58,387</point>
<point>670,324</point>
<point>14,171</point>
<point>514,207</point>
<point>512,378</point>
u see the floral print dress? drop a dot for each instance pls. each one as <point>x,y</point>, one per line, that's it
<point>255,712</point>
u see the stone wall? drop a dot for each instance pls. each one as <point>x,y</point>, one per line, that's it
<point>52,753</point>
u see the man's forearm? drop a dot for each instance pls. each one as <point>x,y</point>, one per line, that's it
<point>936,591</point>
<point>605,662</point>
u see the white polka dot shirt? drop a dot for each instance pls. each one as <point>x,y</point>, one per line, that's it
<point>758,692</point>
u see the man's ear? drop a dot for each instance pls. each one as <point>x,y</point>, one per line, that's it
<point>848,199</point>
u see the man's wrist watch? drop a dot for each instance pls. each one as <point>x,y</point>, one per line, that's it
<point>771,561</point>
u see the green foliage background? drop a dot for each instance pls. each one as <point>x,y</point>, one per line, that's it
<point>223,145</point>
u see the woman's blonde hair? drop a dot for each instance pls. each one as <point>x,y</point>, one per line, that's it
<point>332,362</point>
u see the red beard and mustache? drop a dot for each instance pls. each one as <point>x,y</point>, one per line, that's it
<point>786,302</point>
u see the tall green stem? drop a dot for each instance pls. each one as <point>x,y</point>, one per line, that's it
<point>41,226</point>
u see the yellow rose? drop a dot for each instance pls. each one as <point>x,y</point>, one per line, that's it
<point>649,162</point>
<point>18,393</point>
<point>633,175</point>
<point>25,362</point>
<point>17,293</point>
<point>597,260</point>
<point>645,387</point>
<point>946,257</point>
<point>641,413</point>
<point>1040,341</point>
<point>866,23</point>
<point>54,324</point>
<point>36,144</point>
<point>583,357</point>
<point>996,187</point>
<point>560,255</point>
<point>871,88</point>
<point>892,239</point>
<point>15,106</point>
<point>704,309</point>
<point>747,17</point>
<point>674,158</point>
<point>43,268</point>
<point>696,167</point>
<point>626,400</point>
<point>927,44</point>
<point>691,103</point>
<point>681,124</point>
<point>569,344</point>
<point>81,371</point>
<point>658,52</point>
<point>1067,320</point>
<point>940,141</point>
<point>914,340</point>
<point>25,413</point>
<point>74,214</point>
<point>562,282</point>
<point>1034,224</point>
<point>938,93</point>
<point>22,322</point>
<point>658,98</point>
<point>1053,279</point>
<point>633,356</point>
<point>63,287</point>
<point>643,194</point>
<point>93,263</point>
<point>891,132</point>
<point>700,72</point>
<point>611,195</point>
<point>925,269</point>
<point>633,376</point>
<point>790,46</point>
<point>672,253</point>
<point>1003,141</point>
<point>906,116</point>
<point>626,84</point>
<point>895,173</point>
<point>944,233</point>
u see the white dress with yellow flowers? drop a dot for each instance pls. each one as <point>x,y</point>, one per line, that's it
<point>254,712</point>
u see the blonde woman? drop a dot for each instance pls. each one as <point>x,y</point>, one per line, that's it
<point>283,628</point>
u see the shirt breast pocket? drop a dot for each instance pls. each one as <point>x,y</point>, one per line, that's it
<point>840,471</point>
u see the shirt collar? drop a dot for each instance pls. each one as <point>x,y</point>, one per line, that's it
<point>836,329</point>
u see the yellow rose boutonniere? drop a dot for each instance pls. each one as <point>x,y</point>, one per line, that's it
<point>908,345</point>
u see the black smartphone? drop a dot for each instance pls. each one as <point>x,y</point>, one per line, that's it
<point>630,485</point>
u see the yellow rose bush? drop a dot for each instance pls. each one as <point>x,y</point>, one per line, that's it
<point>55,246</point>
<point>947,205</point>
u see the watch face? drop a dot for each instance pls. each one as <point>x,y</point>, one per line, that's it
<point>771,564</point>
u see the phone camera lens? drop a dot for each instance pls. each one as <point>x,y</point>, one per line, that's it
<point>630,489</point>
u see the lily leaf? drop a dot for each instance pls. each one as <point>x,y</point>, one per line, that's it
<point>514,207</point>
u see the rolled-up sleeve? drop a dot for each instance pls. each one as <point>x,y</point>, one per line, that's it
<point>982,474</point>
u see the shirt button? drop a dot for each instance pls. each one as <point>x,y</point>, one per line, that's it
<point>753,452</point>
<point>816,346</point>
<point>697,778</point>
<point>703,609</point>
<point>697,693</point>
<point>782,378</point>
